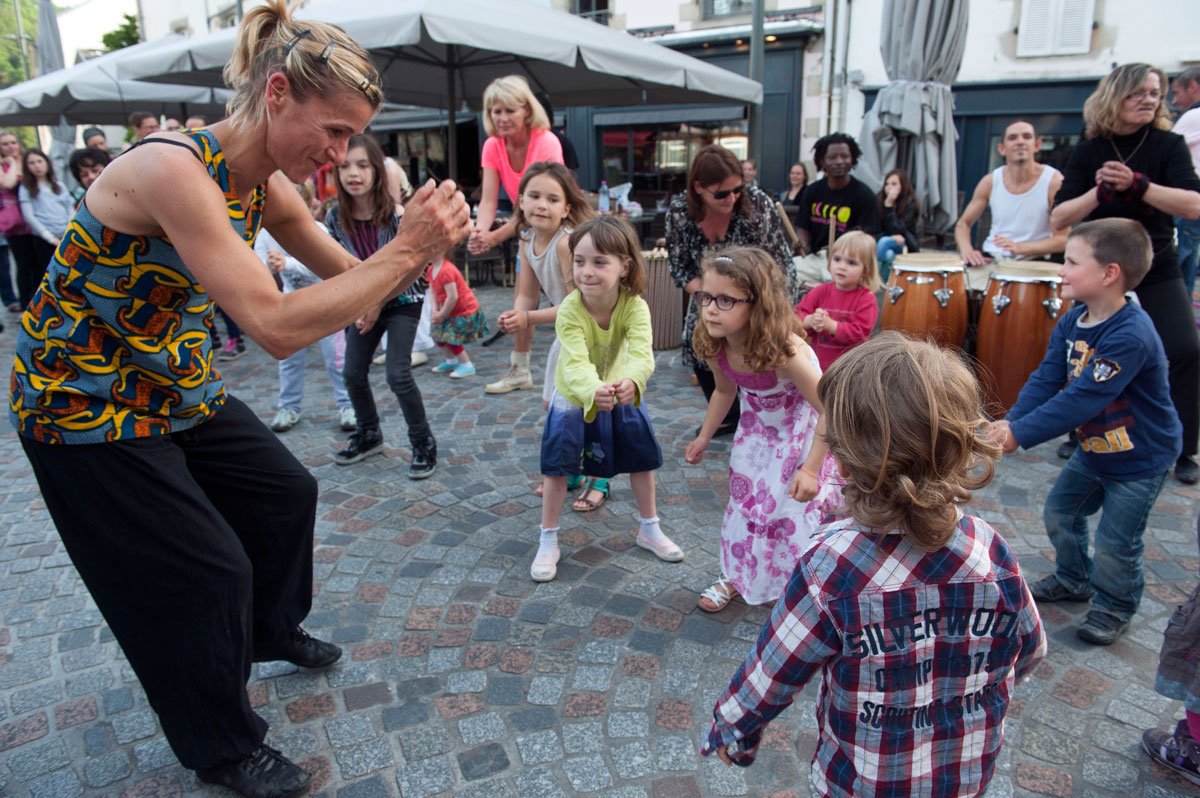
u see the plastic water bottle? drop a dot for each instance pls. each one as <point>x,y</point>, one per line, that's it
<point>603,202</point>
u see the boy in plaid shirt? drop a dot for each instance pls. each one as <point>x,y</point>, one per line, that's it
<point>916,615</point>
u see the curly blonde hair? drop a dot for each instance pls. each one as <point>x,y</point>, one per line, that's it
<point>316,57</point>
<point>773,321</point>
<point>903,420</point>
<point>1102,110</point>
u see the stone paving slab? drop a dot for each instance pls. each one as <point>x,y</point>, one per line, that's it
<point>463,677</point>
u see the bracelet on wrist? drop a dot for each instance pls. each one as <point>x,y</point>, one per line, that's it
<point>811,474</point>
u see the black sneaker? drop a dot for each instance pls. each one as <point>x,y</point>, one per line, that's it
<point>1186,470</point>
<point>424,460</point>
<point>1177,751</point>
<point>1101,629</point>
<point>301,649</point>
<point>362,444</point>
<point>266,773</point>
<point>1048,589</point>
<point>1067,448</point>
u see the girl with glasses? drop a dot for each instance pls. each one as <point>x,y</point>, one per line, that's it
<point>719,210</point>
<point>779,471</point>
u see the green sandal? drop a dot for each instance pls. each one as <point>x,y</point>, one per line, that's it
<point>600,486</point>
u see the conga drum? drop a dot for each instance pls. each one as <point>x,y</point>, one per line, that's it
<point>1020,309</point>
<point>926,296</point>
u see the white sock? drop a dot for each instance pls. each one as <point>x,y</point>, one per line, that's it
<point>548,539</point>
<point>651,529</point>
<point>520,360</point>
<point>453,360</point>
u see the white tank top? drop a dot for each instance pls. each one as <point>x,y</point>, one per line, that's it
<point>546,265</point>
<point>1021,217</point>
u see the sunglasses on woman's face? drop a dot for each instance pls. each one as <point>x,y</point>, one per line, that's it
<point>725,192</point>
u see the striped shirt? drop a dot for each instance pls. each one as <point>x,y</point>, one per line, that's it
<point>918,653</point>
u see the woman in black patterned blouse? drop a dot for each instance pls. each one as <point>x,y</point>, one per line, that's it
<point>715,212</point>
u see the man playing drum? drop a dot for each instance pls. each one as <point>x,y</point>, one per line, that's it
<point>1020,195</point>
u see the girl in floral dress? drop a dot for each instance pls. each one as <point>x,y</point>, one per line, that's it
<point>781,479</point>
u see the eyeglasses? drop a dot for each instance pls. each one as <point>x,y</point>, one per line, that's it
<point>723,302</point>
<point>723,193</point>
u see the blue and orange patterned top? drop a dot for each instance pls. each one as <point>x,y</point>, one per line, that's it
<point>116,341</point>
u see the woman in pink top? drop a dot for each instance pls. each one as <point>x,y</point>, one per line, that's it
<point>518,135</point>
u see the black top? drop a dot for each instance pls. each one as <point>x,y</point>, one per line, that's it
<point>1163,158</point>
<point>893,224</point>
<point>854,207</point>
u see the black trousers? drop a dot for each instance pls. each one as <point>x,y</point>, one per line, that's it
<point>708,384</point>
<point>400,324</point>
<point>32,255</point>
<point>195,547</point>
<point>1170,308</point>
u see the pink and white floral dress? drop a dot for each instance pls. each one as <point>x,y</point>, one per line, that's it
<point>765,531</point>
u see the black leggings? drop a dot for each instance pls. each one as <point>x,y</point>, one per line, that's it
<point>1169,305</point>
<point>196,546</point>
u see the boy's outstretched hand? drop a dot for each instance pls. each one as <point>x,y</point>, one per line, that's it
<point>1001,433</point>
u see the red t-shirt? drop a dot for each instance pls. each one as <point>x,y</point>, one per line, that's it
<point>449,273</point>
<point>854,311</point>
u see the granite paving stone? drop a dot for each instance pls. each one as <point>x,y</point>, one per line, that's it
<point>463,677</point>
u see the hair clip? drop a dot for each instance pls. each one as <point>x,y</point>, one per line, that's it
<point>327,52</point>
<point>725,258</point>
<point>287,48</point>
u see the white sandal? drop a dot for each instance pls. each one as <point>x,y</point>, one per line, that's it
<point>720,593</point>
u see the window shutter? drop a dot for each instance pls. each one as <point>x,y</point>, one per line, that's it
<point>1036,26</point>
<point>1074,36</point>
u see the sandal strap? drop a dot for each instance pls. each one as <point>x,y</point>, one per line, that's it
<point>720,592</point>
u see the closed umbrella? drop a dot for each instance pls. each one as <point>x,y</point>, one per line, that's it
<point>911,124</point>
<point>438,54</point>
<point>90,93</point>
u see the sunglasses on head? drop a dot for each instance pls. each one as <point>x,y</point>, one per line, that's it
<point>725,192</point>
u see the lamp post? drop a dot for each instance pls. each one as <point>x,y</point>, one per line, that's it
<point>21,38</point>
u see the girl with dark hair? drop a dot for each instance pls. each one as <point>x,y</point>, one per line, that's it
<point>1131,165</point>
<point>364,220</point>
<point>47,207</point>
<point>899,210</point>
<point>718,210</point>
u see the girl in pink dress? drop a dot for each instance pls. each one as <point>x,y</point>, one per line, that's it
<point>781,479</point>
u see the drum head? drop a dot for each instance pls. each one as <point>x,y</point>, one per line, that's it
<point>1040,269</point>
<point>928,259</point>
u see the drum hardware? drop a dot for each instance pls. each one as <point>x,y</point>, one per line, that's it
<point>895,292</point>
<point>919,280</point>
<point>1052,305</point>
<point>1000,301</point>
<point>943,294</point>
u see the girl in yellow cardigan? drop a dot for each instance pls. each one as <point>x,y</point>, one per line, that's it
<point>596,418</point>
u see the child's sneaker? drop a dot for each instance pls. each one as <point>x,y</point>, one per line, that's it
<point>346,419</point>
<point>379,359</point>
<point>445,366</point>
<point>418,358</point>
<point>463,370</point>
<point>285,419</point>
<point>1177,751</point>
<point>234,348</point>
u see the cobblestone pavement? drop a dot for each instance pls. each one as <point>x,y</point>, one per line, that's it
<point>463,677</point>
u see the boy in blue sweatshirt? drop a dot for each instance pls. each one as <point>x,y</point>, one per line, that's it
<point>1104,375</point>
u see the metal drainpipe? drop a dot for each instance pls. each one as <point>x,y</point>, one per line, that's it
<point>843,60</point>
<point>826,66</point>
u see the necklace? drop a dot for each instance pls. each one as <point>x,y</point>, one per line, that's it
<point>1135,149</point>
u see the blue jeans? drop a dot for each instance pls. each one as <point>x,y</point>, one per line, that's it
<point>1188,250</point>
<point>886,250</point>
<point>291,372</point>
<point>1116,572</point>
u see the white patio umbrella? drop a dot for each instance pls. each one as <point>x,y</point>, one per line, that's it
<point>91,93</point>
<point>438,54</point>
<point>50,58</point>
<point>911,124</point>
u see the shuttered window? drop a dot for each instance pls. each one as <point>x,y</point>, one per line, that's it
<point>1055,27</point>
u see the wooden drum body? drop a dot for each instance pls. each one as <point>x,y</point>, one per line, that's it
<point>926,296</point>
<point>1020,309</point>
